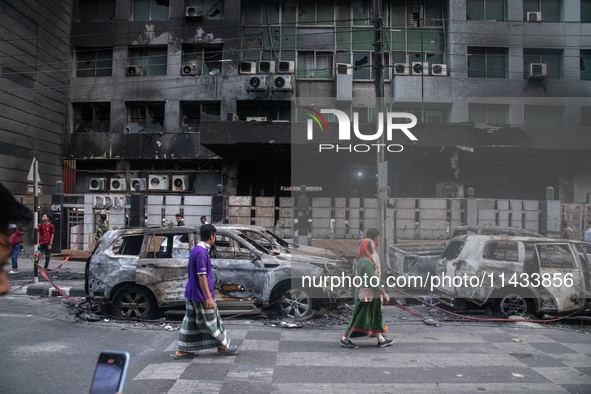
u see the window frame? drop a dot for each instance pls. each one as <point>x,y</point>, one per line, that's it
<point>151,12</point>
<point>97,12</point>
<point>193,126</point>
<point>131,58</point>
<point>146,105</point>
<point>95,51</point>
<point>488,108</point>
<point>76,110</point>
<point>200,52</point>
<point>539,7</point>
<point>484,11</point>
<point>488,53</point>
<point>544,55</point>
<point>315,66</point>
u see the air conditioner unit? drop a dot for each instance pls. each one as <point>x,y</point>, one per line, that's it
<point>97,184</point>
<point>286,67</point>
<point>232,117</point>
<point>267,66</point>
<point>247,68</point>
<point>158,182</point>
<point>193,12</point>
<point>538,70</point>
<point>180,183</point>
<point>256,118</point>
<point>439,70</point>
<point>401,69</point>
<point>257,83</point>
<point>534,17</point>
<point>420,68</point>
<point>282,83</point>
<point>189,69</point>
<point>141,182</point>
<point>118,184</point>
<point>344,69</point>
<point>134,71</point>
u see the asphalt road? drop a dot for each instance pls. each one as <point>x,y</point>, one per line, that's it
<point>45,349</point>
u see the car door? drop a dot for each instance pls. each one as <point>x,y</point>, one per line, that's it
<point>446,268</point>
<point>238,271</point>
<point>558,262</point>
<point>163,268</point>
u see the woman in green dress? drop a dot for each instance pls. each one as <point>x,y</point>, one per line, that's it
<point>367,315</point>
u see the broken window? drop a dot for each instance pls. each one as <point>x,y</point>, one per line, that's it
<point>585,64</point>
<point>313,64</point>
<point>271,110</point>
<point>550,9</point>
<point>90,118</point>
<point>96,10</point>
<point>363,65</point>
<point>152,59</point>
<point>211,9</point>
<point>361,12</point>
<point>503,251</point>
<point>229,248</point>
<point>488,113</point>
<point>487,62</point>
<point>544,115</point>
<point>145,117</point>
<point>256,13</point>
<point>170,246</point>
<point>194,112</point>
<point>453,250</point>
<point>206,60</point>
<point>129,245</point>
<point>555,256</point>
<point>586,11</point>
<point>94,62</point>
<point>551,57</point>
<point>485,10</point>
<point>150,10</point>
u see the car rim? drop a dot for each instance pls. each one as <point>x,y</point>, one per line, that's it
<point>296,304</point>
<point>513,305</point>
<point>133,305</point>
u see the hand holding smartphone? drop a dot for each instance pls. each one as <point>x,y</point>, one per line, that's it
<point>109,375</point>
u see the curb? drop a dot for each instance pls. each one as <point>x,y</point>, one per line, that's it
<point>48,291</point>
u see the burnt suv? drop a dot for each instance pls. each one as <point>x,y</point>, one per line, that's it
<point>514,274</point>
<point>140,270</point>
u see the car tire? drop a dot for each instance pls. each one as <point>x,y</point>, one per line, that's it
<point>514,305</point>
<point>134,302</point>
<point>297,304</point>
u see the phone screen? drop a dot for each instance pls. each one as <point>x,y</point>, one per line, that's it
<point>109,372</point>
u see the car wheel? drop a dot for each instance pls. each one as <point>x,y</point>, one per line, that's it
<point>513,304</point>
<point>297,304</point>
<point>134,302</point>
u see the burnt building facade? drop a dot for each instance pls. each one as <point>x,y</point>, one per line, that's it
<point>180,97</point>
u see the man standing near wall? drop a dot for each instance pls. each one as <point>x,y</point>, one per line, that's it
<point>45,240</point>
<point>179,219</point>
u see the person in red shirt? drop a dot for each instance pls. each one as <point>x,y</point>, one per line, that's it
<point>15,238</point>
<point>46,233</point>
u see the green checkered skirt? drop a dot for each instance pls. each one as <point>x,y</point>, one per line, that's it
<point>201,328</point>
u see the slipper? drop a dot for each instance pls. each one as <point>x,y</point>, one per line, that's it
<point>187,356</point>
<point>232,351</point>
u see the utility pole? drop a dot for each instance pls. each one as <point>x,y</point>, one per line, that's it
<point>379,88</point>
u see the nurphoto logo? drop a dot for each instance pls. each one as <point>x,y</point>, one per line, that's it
<point>344,122</point>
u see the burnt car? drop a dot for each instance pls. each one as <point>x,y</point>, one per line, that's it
<point>140,270</point>
<point>420,259</point>
<point>276,244</point>
<point>514,274</point>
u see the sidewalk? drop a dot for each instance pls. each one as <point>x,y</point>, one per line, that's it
<point>69,278</point>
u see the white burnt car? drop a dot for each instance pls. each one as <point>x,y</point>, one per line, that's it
<point>514,274</point>
<point>140,270</point>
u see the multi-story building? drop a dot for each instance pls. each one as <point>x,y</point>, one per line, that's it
<point>184,96</point>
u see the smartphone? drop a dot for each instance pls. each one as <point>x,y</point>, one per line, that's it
<point>109,375</point>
